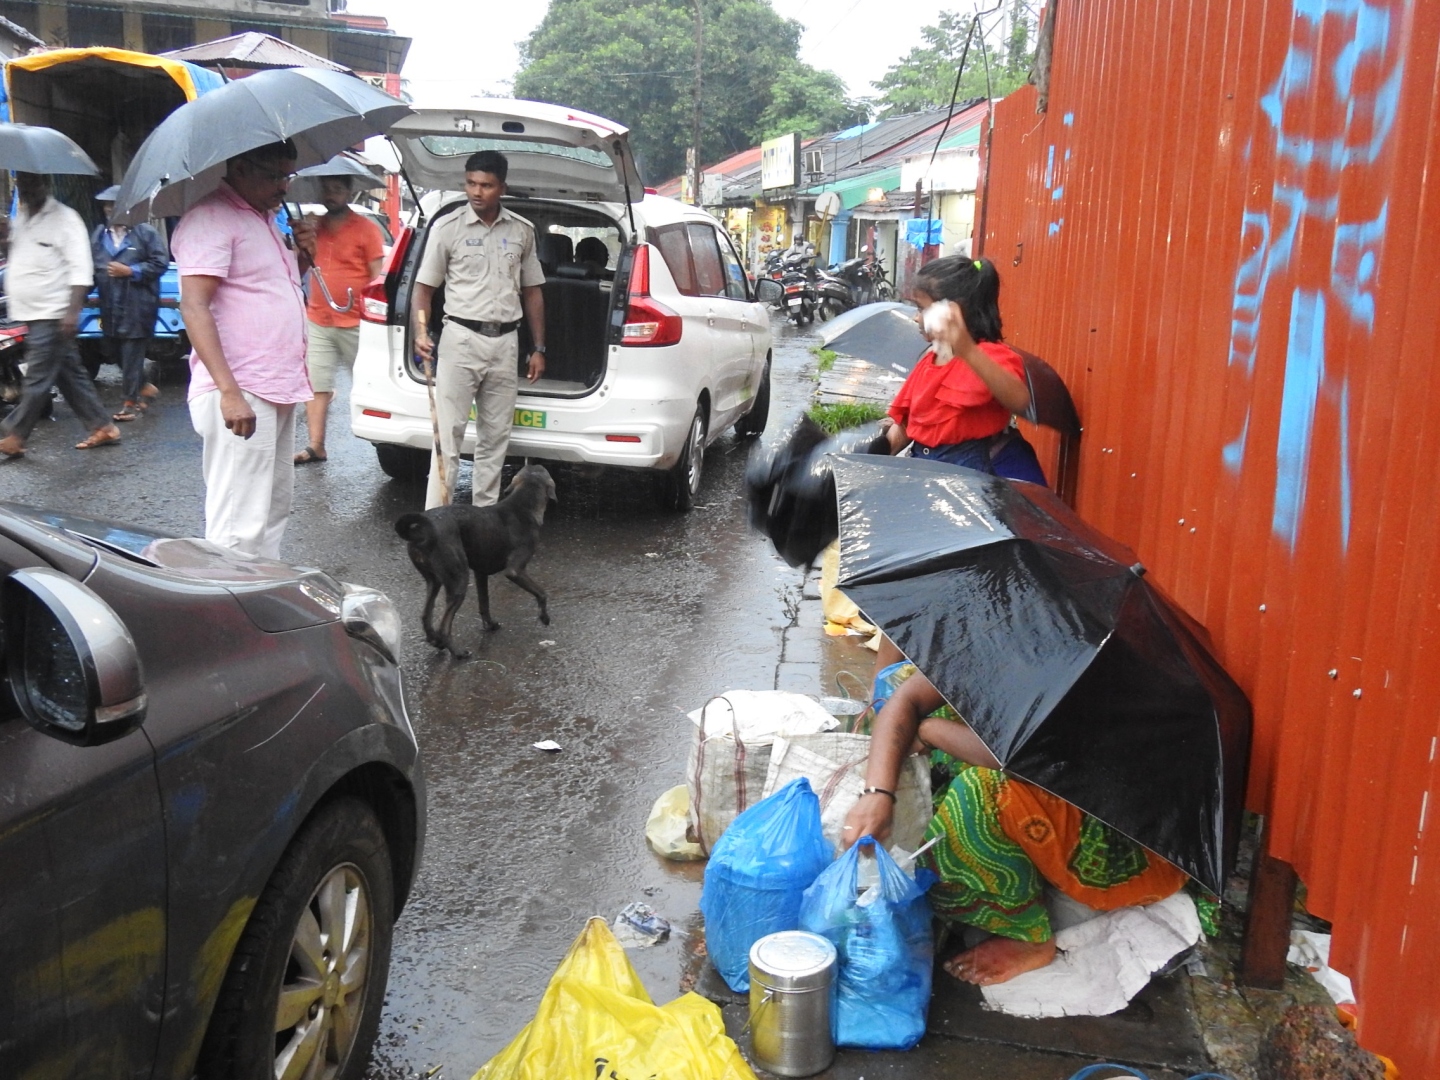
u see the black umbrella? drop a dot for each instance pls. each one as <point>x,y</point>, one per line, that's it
<point>790,491</point>
<point>44,150</point>
<point>885,334</point>
<point>184,158</point>
<point>1079,675</point>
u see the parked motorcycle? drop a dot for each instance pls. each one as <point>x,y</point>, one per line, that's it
<point>866,279</point>
<point>12,351</point>
<point>800,297</point>
<point>833,296</point>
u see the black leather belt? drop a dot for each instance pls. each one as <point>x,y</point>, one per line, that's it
<point>488,329</point>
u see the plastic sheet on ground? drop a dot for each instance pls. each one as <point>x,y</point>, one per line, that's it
<point>666,825</point>
<point>1102,963</point>
<point>595,1019</point>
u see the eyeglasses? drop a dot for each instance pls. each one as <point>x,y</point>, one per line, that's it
<point>271,175</point>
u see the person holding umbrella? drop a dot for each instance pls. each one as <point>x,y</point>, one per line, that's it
<point>1001,840</point>
<point>244,310</point>
<point>348,250</point>
<point>129,262</point>
<point>48,276</point>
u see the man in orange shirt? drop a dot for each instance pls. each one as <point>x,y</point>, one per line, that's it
<point>348,256</point>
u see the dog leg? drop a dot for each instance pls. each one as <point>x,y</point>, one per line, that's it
<point>453,599</point>
<point>482,594</point>
<point>519,577</point>
<point>428,614</point>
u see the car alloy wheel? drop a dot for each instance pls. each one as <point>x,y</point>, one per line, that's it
<point>695,455</point>
<point>318,1014</point>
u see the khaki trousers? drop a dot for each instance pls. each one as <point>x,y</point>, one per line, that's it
<point>473,369</point>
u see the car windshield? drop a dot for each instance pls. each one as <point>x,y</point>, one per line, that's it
<point>465,145</point>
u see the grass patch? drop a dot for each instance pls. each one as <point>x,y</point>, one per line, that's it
<point>844,415</point>
<point>824,358</point>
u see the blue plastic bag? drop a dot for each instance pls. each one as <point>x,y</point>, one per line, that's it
<point>885,950</point>
<point>757,873</point>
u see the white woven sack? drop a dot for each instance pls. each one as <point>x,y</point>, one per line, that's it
<point>834,763</point>
<point>730,753</point>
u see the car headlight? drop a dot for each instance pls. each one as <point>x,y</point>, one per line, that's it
<point>369,615</point>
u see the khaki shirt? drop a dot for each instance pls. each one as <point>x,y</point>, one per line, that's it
<point>483,267</point>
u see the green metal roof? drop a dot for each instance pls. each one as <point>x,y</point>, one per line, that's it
<point>855,190</point>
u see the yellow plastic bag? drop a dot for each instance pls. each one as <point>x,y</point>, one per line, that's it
<point>665,828</point>
<point>596,1020</point>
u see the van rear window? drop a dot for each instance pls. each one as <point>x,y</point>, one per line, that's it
<point>465,145</point>
<point>675,246</point>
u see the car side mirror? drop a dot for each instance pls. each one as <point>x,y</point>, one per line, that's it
<point>768,290</point>
<point>71,663</point>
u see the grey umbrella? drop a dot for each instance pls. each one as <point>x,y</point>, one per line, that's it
<point>29,149</point>
<point>184,158</point>
<point>306,185</point>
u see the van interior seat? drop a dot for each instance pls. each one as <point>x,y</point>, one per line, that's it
<point>554,250</point>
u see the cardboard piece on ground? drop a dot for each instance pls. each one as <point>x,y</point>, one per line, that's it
<point>1102,963</point>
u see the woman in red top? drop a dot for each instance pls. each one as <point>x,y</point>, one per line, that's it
<point>957,403</point>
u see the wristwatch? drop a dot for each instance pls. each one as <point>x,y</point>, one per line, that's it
<point>539,348</point>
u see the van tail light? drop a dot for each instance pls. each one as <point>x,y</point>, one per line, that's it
<point>375,297</point>
<point>647,321</point>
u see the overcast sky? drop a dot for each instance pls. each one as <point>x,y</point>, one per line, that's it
<point>857,39</point>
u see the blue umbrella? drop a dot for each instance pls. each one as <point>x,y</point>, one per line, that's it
<point>43,150</point>
<point>184,159</point>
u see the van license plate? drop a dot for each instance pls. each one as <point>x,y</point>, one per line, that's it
<point>530,418</point>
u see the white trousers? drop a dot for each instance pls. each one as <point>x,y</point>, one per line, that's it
<point>472,369</point>
<point>249,483</point>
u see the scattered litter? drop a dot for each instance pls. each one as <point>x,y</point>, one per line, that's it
<point>652,554</point>
<point>638,927</point>
<point>1312,952</point>
<point>546,744</point>
<point>1102,963</point>
<point>547,643</point>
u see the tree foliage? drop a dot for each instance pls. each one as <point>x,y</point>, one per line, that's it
<point>925,77</point>
<point>633,61</point>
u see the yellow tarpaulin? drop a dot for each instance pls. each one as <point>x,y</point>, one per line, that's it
<point>596,1020</point>
<point>176,69</point>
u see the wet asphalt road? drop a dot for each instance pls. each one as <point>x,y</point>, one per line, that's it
<point>652,614</point>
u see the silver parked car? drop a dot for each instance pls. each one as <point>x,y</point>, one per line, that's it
<point>656,339</point>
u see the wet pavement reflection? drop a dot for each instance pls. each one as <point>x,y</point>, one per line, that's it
<point>652,613</point>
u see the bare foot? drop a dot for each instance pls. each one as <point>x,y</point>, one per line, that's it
<point>999,960</point>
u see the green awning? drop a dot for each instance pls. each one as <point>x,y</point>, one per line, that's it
<point>855,190</point>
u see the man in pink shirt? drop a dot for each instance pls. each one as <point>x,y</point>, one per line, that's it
<point>244,310</point>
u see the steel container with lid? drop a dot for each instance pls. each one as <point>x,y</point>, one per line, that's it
<point>792,1002</point>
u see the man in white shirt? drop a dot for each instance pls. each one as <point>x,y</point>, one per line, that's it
<point>48,275</point>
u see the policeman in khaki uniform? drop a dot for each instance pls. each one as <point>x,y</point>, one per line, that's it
<point>485,257</point>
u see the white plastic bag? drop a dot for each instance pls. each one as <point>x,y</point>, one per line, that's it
<point>834,763</point>
<point>730,753</point>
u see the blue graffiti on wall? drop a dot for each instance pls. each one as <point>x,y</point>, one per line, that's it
<point>1053,182</point>
<point>1306,193</point>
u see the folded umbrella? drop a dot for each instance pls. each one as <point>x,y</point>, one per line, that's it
<point>885,334</point>
<point>1077,672</point>
<point>29,149</point>
<point>183,159</point>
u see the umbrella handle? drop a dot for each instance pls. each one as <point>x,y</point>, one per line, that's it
<point>325,292</point>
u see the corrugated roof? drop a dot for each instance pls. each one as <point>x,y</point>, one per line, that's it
<point>253,50</point>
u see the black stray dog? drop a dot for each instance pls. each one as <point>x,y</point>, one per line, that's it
<point>448,542</point>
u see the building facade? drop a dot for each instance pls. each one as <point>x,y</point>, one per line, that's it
<point>362,43</point>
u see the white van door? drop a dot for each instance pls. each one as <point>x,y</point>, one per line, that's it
<point>728,316</point>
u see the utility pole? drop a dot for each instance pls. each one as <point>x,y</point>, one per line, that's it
<point>697,168</point>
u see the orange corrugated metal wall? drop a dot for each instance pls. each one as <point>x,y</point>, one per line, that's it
<point>1222,235</point>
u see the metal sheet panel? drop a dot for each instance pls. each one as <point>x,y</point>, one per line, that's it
<point>1225,234</point>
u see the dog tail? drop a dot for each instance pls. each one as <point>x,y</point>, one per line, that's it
<point>417,529</point>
